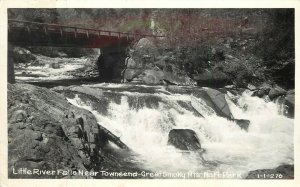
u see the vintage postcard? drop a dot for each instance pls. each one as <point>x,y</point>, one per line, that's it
<point>122,94</point>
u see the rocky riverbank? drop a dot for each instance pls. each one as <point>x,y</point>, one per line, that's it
<point>46,132</point>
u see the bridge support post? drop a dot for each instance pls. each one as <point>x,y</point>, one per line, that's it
<point>10,65</point>
<point>111,63</point>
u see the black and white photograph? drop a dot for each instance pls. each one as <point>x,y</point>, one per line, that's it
<point>151,93</point>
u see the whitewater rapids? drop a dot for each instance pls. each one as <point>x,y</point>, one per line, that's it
<point>144,127</point>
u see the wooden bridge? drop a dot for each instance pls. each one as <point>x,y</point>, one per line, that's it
<point>111,43</point>
<point>26,33</point>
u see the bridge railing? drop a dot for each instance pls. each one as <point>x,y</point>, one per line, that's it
<point>31,26</point>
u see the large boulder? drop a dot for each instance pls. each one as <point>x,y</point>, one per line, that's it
<point>153,76</point>
<point>276,92</point>
<point>216,100</point>
<point>144,43</point>
<point>184,139</point>
<point>55,65</point>
<point>131,74</point>
<point>214,79</point>
<point>147,66</point>
<point>22,55</point>
<point>131,63</point>
<point>46,132</point>
<point>144,51</point>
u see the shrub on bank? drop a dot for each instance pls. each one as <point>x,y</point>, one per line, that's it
<point>242,72</point>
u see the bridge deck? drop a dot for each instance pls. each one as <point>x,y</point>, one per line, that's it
<point>25,33</point>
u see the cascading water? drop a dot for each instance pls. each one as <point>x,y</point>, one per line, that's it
<point>145,127</point>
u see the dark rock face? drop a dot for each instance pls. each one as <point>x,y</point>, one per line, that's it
<point>46,132</point>
<point>261,92</point>
<point>276,92</point>
<point>281,172</point>
<point>146,65</point>
<point>215,79</point>
<point>21,55</point>
<point>216,100</point>
<point>243,123</point>
<point>184,139</point>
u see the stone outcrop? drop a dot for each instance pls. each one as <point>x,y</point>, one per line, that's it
<point>214,79</point>
<point>55,65</point>
<point>276,92</point>
<point>216,100</point>
<point>261,92</point>
<point>146,65</point>
<point>22,55</point>
<point>46,132</point>
<point>278,95</point>
<point>184,139</point>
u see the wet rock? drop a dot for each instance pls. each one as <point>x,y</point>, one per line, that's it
<point>184,139</point>
<point>214,79</point>
<point>132,64</point>
<point>152,76</point>
<point>242,123</point>
<point>22,55</point>
<point>251,87</point>
<point>219,102</point>
<point>55,65</point>
<point>155,75</point>
<point>261,92</point>
<point>281,172</point>
<point>215,99</point>
<point>276,92</point>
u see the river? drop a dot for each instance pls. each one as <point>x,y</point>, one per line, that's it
<point>142,116</point>
<point>143,119</point>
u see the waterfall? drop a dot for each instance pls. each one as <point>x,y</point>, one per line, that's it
<point>144,128</point>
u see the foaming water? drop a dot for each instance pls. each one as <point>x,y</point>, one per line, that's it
<point>43,71</point>
<point>267,143</point>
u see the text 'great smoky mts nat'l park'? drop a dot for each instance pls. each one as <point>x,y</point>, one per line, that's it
<point>151,93</point>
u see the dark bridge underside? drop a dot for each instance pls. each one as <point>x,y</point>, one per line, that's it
<point>22,37</point>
